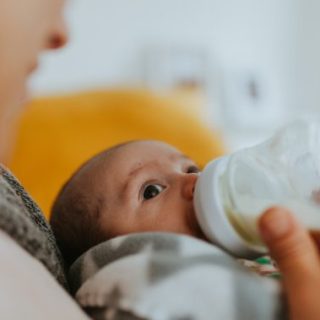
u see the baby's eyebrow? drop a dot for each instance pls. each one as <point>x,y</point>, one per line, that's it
<point>139,166</point>
<point>136,168</point>
<point>132,173</point>
<point>185,157</point>
<point>179,156</point>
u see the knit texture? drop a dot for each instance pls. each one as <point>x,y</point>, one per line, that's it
<point>22,220</point>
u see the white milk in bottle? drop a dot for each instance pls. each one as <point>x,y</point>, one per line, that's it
<point>233,191</point>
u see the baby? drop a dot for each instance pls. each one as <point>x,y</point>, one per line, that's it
<point>133,187</point>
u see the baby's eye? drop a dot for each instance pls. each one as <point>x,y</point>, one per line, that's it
<point>193,169</point>
<point>152,190</point>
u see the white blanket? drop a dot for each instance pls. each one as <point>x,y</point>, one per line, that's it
<point>163,276</point>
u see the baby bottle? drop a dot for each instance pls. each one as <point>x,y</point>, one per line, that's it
<point>233,191</point>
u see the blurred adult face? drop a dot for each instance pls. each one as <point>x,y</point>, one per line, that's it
<point>27,27</point>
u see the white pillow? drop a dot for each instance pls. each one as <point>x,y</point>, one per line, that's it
<point>28,290</point>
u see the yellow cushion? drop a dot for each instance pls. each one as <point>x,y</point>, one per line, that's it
<point>57,134</point>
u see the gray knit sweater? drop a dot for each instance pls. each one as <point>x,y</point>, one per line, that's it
<point>22,219</point>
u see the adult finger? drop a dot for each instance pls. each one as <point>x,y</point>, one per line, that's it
<point>296,254</point>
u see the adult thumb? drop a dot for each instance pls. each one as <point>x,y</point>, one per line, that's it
<point>297,257</point>
<point>288,241</point>
<point>291,246</point>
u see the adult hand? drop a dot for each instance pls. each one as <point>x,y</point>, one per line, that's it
<point>298,259</point>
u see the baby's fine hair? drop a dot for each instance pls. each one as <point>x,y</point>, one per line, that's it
<point>76,211</point>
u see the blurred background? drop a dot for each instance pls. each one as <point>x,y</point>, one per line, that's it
<point>239,69</point>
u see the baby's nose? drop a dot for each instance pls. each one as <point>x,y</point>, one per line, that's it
<point>189,184</point>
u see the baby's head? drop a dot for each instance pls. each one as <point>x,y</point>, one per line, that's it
<point>137,186</point>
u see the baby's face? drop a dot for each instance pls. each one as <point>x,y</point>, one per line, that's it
<point>147,186</point>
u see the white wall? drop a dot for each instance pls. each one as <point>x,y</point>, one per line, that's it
<point>108,36</point>
<point>307,68</point>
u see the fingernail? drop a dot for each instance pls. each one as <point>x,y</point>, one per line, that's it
<point>275,223</point>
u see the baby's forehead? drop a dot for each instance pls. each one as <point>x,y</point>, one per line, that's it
<point>139,154</point>
<point>147,149</point>
<point>126,162</point>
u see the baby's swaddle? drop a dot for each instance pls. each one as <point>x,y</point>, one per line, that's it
<point>168,276</point>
